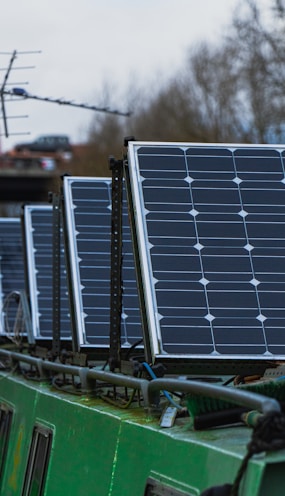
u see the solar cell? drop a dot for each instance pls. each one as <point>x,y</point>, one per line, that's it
<point>210,227</point>
<point>11,267</point>
<point>38,229</point>
<point>87,208</point>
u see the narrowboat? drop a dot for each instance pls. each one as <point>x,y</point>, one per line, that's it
<point>143,328</point>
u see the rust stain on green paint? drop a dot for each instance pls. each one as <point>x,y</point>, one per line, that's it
<point>13,479</point>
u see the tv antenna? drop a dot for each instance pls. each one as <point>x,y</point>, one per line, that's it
<point>5,83</point>
<point>19,92</point>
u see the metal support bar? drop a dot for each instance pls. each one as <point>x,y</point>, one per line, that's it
<point>2,92</point>
<point>70,287</point>
<point>116,167</point>
<point>56,275</point>
<point>87,385</point>
<point>60,101</point>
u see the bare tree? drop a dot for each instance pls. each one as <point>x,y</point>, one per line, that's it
<point>217,94</point>
<point>230,92</point>
<point>260,44</point>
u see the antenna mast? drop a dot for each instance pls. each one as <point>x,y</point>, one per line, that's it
<point>24,95</point>
<point>2,93</point>
<point>3,90</point>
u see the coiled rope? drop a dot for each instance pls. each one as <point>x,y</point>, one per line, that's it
<point>268,435</point>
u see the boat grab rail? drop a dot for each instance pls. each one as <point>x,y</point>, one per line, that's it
<point>253,401</point>
<point>150,389</point>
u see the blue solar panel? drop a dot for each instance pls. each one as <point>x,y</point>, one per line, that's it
<point>12,275</point>
<point>38,228</point>
<point>210,227</point>
<point>87,211</point>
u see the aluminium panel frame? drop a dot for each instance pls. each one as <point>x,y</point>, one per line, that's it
<point>31,266</point>
<point>152,332</point>
<point>78,314</point>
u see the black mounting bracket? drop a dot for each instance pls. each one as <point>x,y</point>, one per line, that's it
<point>56,203</point>
<point>116,167</point>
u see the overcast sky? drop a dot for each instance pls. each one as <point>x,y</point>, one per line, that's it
<point>86,43</point>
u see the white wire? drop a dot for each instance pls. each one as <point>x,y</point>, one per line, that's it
<point>15,334</point>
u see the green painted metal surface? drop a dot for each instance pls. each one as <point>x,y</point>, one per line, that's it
<point>101,450</point>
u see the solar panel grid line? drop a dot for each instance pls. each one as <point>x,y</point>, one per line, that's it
<point>238,182</point>
<point>243,213</point>
<point>204,281</point>
<point>88,205</point>
<point>246,231</point>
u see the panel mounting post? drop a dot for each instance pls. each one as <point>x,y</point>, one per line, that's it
<point>116,167</point>
<point>56,275</point>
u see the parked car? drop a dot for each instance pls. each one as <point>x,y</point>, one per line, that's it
<point>48,143</point>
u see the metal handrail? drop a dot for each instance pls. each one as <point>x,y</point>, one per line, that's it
<point>149,389</point>
<point>254,401</point>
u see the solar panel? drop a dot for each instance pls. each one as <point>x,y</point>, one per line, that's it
<point>38,229</point>
<point>210,227</point>
<point>11,267</point>
<point>87,208</point>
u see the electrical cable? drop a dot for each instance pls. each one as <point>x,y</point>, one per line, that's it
<point>228,381</point>
<point>15,334</point>
<point>137,343</point>
<point>166,394</point>
<point>65,387</point>
<point>116,402</point>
